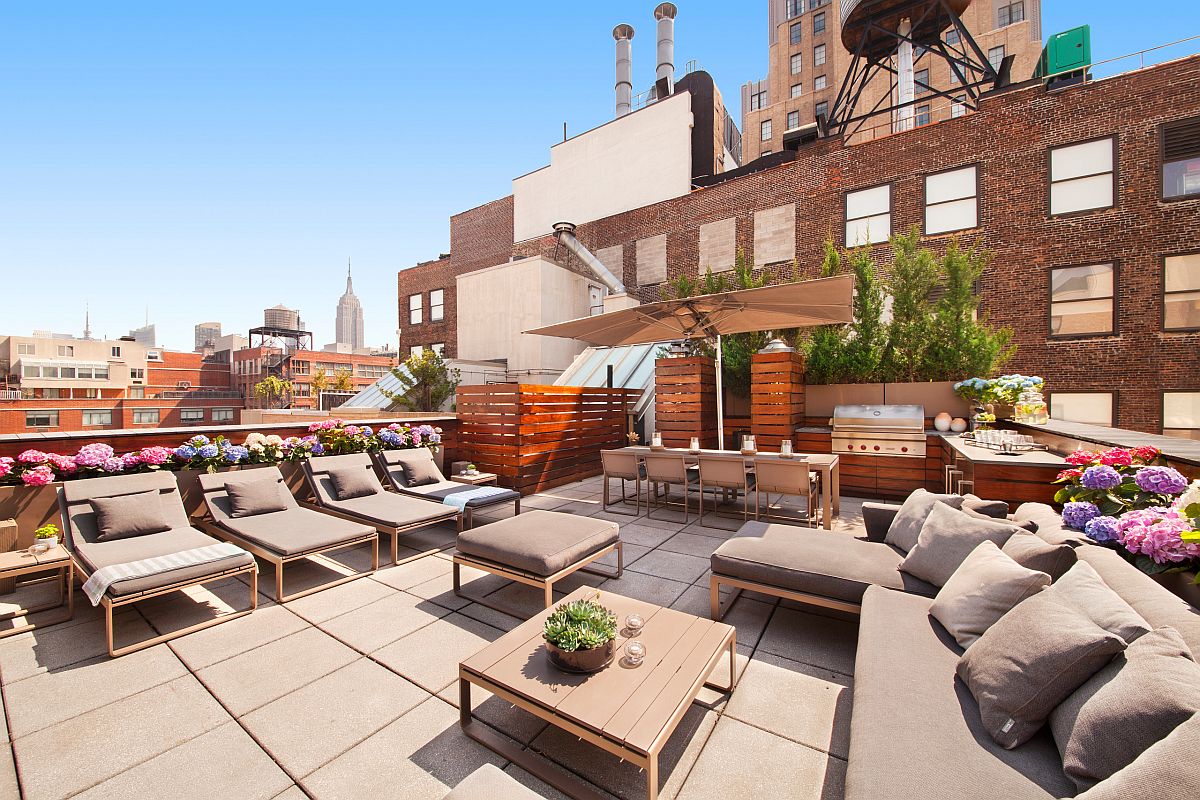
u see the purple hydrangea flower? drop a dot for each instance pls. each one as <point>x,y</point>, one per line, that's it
<point>318,448</point>
<point>114,464</point>
<point>366,430</point>
<point>186,452</point>
<point>1077,515</point>
<point>1160,480</point>
<point>93,455</point>
<point>1100,477</point>
<point>1102,529</point>
<point>209,451</point>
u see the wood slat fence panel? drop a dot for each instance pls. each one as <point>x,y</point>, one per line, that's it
<point>685,400</point>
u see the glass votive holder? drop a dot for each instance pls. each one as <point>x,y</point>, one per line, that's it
<point>635,652</point>
<point>634,624</point>
<point>785,448</point>
<point>694,445</point>
<point>656,440</point>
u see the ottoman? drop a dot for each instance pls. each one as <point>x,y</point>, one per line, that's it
<point>538,548</point>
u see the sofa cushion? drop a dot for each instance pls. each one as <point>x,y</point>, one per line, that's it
<point>1138,699</point>
<point>95,555</point>
<point>906,525</point>
<point>352,482</point>
<point>129,515</point>
<point>253,497</point>
<point>1049,524</point>
<point>1027,525</point>
<point>982,590</point>
<point>915,731</point>
<point>1029,661</point>
<point>539,542</point>
<point>1082,588</point>
<point>819,562</point>
<point>997,509</point>
<point>1034,552</point>
<point>946,539</point>
<point>1169,767</point>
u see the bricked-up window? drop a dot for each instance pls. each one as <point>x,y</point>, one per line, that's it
<point>793,120</point>
<point>1081,300</point>
<point>439,348</point>
<point>869,215</point>
<point>41,419</point>
<point>1010,14</point>
<point>1181,293</point>
<point>222,415</point>
<point>923,114</point>
<point>414,309</point>
<point>1089,408</point>
<point>921,80</point>
<point>765,130</point>
<point>951,200</point>
<point>819,83</point>
<point>1181,159</point>
<point>796,32</point>
<point>797,90</point>
<point>1181,414</point>
<point>1083,176</point>
<point>437,305</point>
<point>797,62</point>
<point>819,23</point>
<point>97,416</point>
<point>191,415</point>
<point>818,55</point>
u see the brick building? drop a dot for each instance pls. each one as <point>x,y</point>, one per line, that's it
<point>1089,197</point>
<point>251,365</point>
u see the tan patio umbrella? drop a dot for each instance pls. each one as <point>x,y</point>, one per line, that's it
<point>824,301</point>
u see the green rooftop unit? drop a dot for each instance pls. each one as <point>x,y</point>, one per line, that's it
<point>1066,52</point>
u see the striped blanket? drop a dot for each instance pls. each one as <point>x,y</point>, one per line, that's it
<point>99,581</point>
<point>460,499</point>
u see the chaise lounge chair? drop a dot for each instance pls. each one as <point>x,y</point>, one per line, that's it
<point>255,510</point>
<point>347,487</point>
<point>415,473</point>
<point>122,521</point>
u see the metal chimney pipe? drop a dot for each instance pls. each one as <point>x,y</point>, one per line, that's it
<point>665,14</point>
<point>624,36</point>
<point>565,231</point>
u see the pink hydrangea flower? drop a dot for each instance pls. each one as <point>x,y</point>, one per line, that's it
<point>38,476</point>
<point>33,457</point>
<point>1117,457</point>
<point>93,455</point>
<point>155,456</point>
<point>114,464</point>
<point>1156,532</point>
<point>6,466</point>
<point>131,460</point>
<point>1145,454</point>
<point>64,464</point>
<point>1082,458</point>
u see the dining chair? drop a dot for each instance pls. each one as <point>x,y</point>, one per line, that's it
<point>668,469</point>
<point>622,465</point>
<point>790,477</point>
<point>725,473</point>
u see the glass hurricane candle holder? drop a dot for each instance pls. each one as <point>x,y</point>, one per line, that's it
<point>656,440</point>
<point>635,652</point>
<point>634,624</point>
<point>694,446</point>
<point>785,448</point>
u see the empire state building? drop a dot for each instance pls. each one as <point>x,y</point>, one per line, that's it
<point>349,325</point>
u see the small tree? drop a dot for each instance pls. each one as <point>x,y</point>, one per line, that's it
<point>342,381</point>
<point>824,350</point>
<point>863,346</point>
<point>273,389</point>
<point>319,380</point>
<point>914,276</point>
<point>962,343</point>
<point>426,383</point>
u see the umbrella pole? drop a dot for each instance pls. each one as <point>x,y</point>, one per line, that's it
<point>720,400</point>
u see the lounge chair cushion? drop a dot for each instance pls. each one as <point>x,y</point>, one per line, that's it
<point>819,562</point>
<point>1034,552</point>
<point>352,482</point>
<point>420,471</point>
<point>254,497</point>
<point>95,555</point>
<point>489,782</point>
<point>1084,589</point>
<point>539,542</point>
<point>947,538</point>
<point>295,531</point>
<point>438,491</point>
<point>906,525</point>
<point>1137,700</point>
<point>1031,660</point>
<point>129,515</point>
<point>1168,763</point>
<point>394,510</point>
<point>982,590</point>
<point>915,731</point>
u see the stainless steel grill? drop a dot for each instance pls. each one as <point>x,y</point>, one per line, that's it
<point>886,430</point>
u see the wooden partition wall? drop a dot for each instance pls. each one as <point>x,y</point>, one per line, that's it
<point>685,400</point>
<point>776,397</point>
<point>537,437</point>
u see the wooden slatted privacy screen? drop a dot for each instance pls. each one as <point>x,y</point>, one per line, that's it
<point>776,397</point>
<point>685,400</point>
<point>537,437</point>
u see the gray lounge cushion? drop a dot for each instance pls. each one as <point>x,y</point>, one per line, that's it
<point>1168,769</point>
<point>1084,589</point>
<point>819,562</point>
<point>915,731</point>
<point>442,489</point>
<point>1137,700</point>
<point>394,510</point>
<point>539,542</point>
<point>489,782</point>
<point>946,539</point>
<point>983,589</point>
<point>295,530</point>
<point>352,482</point>
<point>996,509</point>
<point>250,498</point>
<point>129,515</point>
<point>906,525</point>
<point>95,555</point>
<point>1029,661</point>
<point>1034,552</point>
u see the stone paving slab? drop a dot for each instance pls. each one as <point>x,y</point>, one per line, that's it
<point>267,624</point>
<point>812,639</point>
<point>53,648</point>
<point>454,638</point>
<point>372,626</point>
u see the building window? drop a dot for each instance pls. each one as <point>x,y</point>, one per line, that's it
<point>1181,293</point>
<point>952,36</point>
<point>55,394</point>
<point>1181,414</point>
<point>951,200</point>
<point>414,309</point>
<point>137,393</point>
<point>1082,176</point>
<point>922,115</point>
<point>793,120</point>
<point>66,350</point>
<point>66,372</point>
<point>758,100</point>
<point>416,350</point>
<point>821,109</point>
<point>1181,159</point>
<point>137,374</point>
<point>818,55</point>
<point>765,130</point>
<point>41,419</point>
<point>116,352</point>
<point>797,90</point>
<point>222,415</point>
<point>797,63</point>
<point>1081,300</point>
<point>796,31</point>
<point>1010,14</point>
<point>996,57</point>
<point>819,23</point>
<point>921,80</point>
<point>819,83</point>
<point>1089,408</point>
<point>148,416</point>
<point>794,8</point>
<point>26,350</point>
<point>437,305</point>
<point>372,370</point>
<point>86,394</point>
<point>869,215</point>
<point>93,417</point>
<point>766,152</point>
<point>31,372</point>
<point>439,348</point>
<point>957,108</point>
<point>189,415</point>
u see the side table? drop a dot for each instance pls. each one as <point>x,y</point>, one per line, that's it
<point>17,563</point>
<point>476,480</point>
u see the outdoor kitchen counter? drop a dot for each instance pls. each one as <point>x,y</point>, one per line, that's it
<point>982,455</point>
<point>1066,436</point>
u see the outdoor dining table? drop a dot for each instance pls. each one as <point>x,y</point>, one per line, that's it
<point>825,464</point>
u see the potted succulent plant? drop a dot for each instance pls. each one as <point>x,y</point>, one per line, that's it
<point>47,536</point>
<point>581,636</point>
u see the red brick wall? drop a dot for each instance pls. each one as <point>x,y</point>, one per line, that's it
<point>1009,140</point>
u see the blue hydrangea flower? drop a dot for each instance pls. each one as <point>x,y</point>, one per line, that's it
<point>186,452</point>
<point>1078,514</point>
<point>209,451</point>
<point>1100,477</point>
<point>318,448</point>
<point>199,440</point>
<point>235,454</point>
<point>366,430</point>
<point>390,438</point>
<point>1101,529</point>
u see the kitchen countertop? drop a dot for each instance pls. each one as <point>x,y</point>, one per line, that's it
<point>1171,446</point>
<point>983,455</point>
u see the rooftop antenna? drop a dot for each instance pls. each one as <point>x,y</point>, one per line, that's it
<point>87,322</point>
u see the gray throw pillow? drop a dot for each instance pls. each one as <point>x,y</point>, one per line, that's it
<point>1034,552</point>
<point>129,515</point>
<point>1025,524</point>
<point>420,471</point>
<point>251,498</point>
<point>983,589</point>
<point>1137,700</point>
<point>997,509</point>
<point>946,539</point>
<point>906,525</point>
<point>351,482</point>
<point>1029,661</point>
<point>1083,588</point>
<point>1169,767</point>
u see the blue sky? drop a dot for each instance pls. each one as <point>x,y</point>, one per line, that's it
<point>207,160</point>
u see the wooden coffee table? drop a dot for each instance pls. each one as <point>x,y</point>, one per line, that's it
<point>479,479</point>
<point>629,711</point>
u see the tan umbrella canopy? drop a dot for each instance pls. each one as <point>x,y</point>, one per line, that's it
<point>824,301</point>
